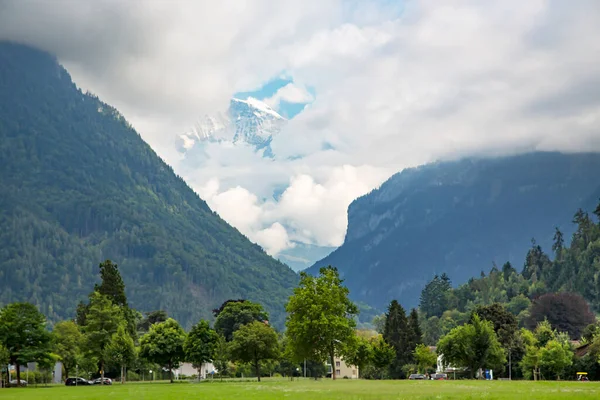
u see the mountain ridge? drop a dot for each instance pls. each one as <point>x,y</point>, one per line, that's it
<point>79,185</point>
<point>458,217</point>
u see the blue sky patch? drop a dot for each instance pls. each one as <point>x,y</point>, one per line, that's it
<point>286,109</point>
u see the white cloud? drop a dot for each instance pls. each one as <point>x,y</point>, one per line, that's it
<point>397,84</point>
<point>274,239</point>
<point>290,93</point>
<point>317,211</point>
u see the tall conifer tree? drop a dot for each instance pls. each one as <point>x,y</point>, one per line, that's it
<point>396,334</point>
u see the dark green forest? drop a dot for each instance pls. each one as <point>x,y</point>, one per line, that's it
<point>78,185</point>
<point>561,284</point>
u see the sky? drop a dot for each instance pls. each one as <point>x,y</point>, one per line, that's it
<point>370,87</point>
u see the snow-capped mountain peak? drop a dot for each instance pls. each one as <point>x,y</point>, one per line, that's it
<point>249,121</point>
<point>259,106</point>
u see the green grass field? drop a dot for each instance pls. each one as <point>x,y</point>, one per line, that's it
<point>324,389</point>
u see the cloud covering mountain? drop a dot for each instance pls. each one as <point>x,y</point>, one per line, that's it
<point>395,84</point>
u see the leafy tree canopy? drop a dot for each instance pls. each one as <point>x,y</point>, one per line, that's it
<point>102,321</point>
<point>320,322</point>
<point>555,357</point>
<point>200,344</point>
<point>473,345</point>
<point>67,340</point>
<point>425,358</point>
<point>121,350</point>
<point>152,317</point>
<point>253,343</point>
<point>234,314</point>
<point>163,345</point>
<point>360,354</point>
<point>23,333</point>
<point>504,323</point>
<point>566,312</point>
<point>383,355</point>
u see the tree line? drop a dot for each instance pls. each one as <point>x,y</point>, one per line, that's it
<point>507,321</point>
<point>107,336</point>
<point>546,309</point>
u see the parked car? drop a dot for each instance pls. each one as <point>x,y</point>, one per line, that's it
<point>14,382</point>
<point>107,381</point>
<point>416,377</point>
<point>77,382</point>
<point>439,377</point>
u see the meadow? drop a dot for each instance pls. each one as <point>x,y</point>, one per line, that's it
<point>315,390</point>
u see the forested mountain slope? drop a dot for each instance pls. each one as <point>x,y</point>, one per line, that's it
<point>459,218</point>
<point>78,185</point>
<point>560,284</point>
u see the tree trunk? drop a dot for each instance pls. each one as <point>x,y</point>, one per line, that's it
<point>18,374</point>
<point>171,371</point>
<point>257,368</point>
<point>66,372</point>
<point>102,372</point>
<point>122,377</point>
<point>332,355</point>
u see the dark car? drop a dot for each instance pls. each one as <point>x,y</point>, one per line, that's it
<point>107,381</point>
<point>77,382</point>
<point>439,377</point>
<point>416,377</point>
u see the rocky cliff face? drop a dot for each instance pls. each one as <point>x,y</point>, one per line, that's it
<point>459,218</point>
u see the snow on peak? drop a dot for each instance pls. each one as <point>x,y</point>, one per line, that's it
<point>259,105</point>
<point>249,121</point>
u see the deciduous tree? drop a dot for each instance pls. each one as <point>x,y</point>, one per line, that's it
<point>383,355</point>
<point>566,312</point>
<point>200,344</point>
<point>424,357</point>
<point>233,314</point>
<point>102,321</point>
<point>555,357</point>
<point>221,356</point>
<point>253,343</point>
<point>24,335</point>
<point>320,320</point>
<point>504,323</point>
<point>121,350</point>
<point>163,345</point>
<point>4,358</point>
<point>153,317</point>
<point>361,354</point>
<point>473,345</point>
<point>67,341</point>
<point>544,333</point>
<point>379,323</point>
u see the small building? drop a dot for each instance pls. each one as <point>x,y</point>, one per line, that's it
<point>342,370</point>
<point>55,373</point>
<point>187,369</point>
